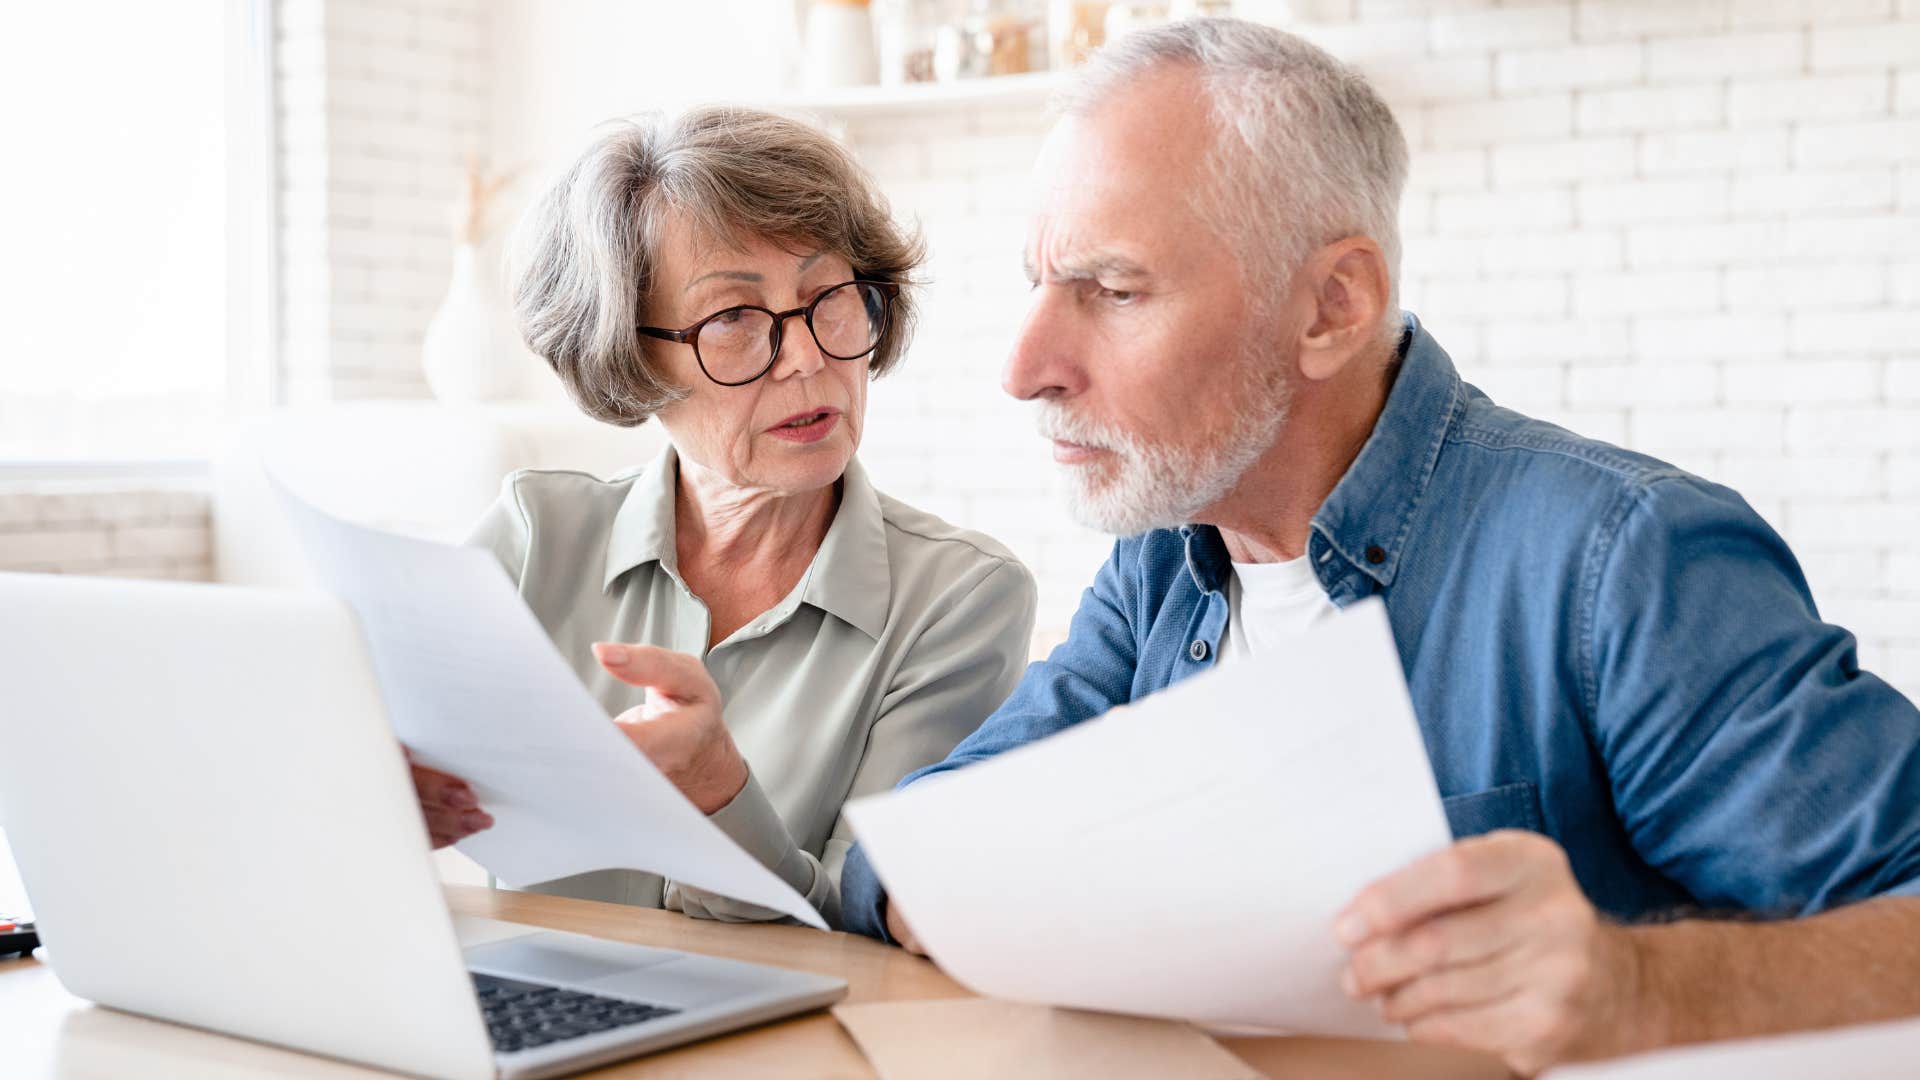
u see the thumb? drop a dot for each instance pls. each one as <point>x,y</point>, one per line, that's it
<point>675,675</point>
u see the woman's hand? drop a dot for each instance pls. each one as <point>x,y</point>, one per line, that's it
<point>452,811</point>
<point>679,727</point>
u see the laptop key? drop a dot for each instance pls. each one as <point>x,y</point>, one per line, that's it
<point>522,1015</point>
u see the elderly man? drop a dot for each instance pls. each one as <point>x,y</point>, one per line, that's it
<point>1639,723</point>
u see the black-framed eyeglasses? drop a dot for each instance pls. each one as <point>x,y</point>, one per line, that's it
<point>737,345</point>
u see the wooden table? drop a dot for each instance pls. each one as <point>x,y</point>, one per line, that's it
<point>46,1032</point>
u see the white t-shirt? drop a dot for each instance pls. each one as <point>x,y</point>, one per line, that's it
<point>1269,604</point>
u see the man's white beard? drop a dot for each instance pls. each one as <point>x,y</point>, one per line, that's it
<point>1144,485</point>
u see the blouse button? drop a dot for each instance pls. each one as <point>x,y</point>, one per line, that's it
<point>1197,650</point>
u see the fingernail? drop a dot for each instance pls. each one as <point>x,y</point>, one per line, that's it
<point>462,799</point>
<point>1350,929</point>
<point>612,654</point>
<point>476,819</point>
<point>1349,984</point>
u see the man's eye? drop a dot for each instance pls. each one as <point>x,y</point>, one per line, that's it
<point>1118,296</point>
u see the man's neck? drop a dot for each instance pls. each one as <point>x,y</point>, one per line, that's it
<point>1267,516</point>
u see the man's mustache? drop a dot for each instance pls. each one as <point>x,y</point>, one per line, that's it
<point>1056,423</point>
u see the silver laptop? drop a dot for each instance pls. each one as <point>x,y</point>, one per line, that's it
<point>215,827</point>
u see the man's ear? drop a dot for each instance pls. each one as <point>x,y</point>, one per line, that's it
<point>1350,288</point>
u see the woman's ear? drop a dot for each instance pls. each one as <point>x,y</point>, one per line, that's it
<point>1350,290</point>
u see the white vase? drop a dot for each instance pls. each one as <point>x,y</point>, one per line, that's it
<point>472,351</point>
<point>839,45</point>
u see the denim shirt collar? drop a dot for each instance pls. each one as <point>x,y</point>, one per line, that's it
<point>1366,520</point>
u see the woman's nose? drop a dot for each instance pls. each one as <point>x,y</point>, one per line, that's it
<point>799,355</point>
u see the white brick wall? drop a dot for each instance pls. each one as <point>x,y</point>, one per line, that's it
<point>1683,225</point>
<point>379,104</point>
<point>1689,226</point>
<point>115,529</point>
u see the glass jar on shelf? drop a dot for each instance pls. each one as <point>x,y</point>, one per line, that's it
<point>1074,29</point>
<point>994,37</point>
<point>906,31</point>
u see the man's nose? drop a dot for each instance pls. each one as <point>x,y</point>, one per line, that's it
<point>1042,361</point>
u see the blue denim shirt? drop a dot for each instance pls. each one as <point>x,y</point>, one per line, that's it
<point>1600,647</point>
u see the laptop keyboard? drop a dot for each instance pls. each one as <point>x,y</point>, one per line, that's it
<point>523,1015</point>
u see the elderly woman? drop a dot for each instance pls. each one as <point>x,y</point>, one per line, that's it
<point>772,632</point>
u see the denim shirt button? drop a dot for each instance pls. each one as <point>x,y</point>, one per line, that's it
<point>1375,555</point>
<point>1197,650</point>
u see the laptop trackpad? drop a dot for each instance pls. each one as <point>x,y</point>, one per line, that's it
<point>689,982</point>
<point>563,959</point>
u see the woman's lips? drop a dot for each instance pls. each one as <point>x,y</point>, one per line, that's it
<point>807,427</point>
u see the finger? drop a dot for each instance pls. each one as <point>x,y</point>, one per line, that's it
<point>676,675</point>
<point>1459,938</point>
<point>457,824</point>
<point>1452,989</point>
<point>1474,1027</point>
<point>443,789</point>
<point>426,777</point>
<point>1524,1029</point>
<point>1469,872</point>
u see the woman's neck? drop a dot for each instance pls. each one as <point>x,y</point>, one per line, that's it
<point>740,550</point>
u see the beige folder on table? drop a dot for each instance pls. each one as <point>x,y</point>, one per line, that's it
<point>972,1037</point>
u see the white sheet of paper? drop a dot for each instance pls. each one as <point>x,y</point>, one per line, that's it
<point>474,687</point>
<point>1868,1052</point>
<point>1182,857</point>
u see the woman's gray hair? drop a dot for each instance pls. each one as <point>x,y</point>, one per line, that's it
<point>587,254</point>
<point>1307,152</point>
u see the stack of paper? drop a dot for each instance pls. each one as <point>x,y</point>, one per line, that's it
<point>1872,1052</point>
<point>1185,857</point>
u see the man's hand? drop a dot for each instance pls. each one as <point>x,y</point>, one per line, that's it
<point>679,727</point>
<point>901,932</point>
<point>1491,945</point>
<point>447,802</point>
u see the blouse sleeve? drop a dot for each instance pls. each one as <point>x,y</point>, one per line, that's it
<point>503,530</point>
<point>960,668</point>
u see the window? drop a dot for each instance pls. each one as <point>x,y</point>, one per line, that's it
<point>132,209</point>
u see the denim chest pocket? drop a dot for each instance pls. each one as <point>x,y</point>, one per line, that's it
<point>1509,806</point>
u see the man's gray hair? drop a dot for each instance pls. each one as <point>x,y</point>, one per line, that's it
<point>1307,152</point>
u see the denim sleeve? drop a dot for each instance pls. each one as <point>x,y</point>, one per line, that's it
<point>1751,760</point>
<point>1089,673</point>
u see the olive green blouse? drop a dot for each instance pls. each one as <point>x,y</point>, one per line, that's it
<point>904,633</point>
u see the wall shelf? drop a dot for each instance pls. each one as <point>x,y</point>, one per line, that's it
<point>852,102</point>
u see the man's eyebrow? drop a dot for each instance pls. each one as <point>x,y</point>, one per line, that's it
<point>729,275</point>
<point>1103,265</point>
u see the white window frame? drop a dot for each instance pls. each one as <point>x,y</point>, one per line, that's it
<point>252,285</point>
